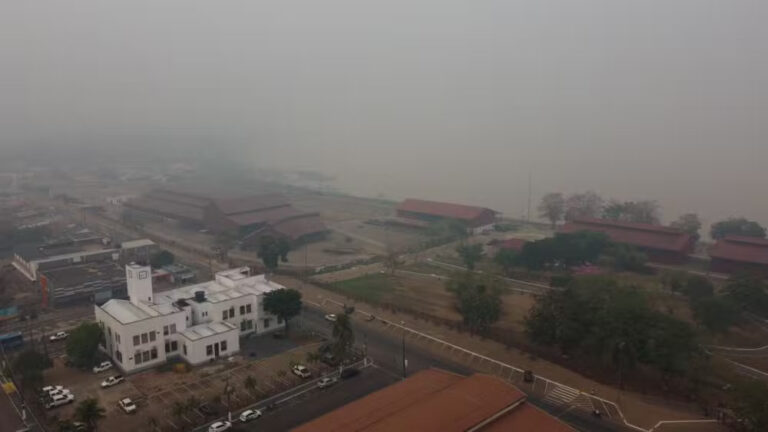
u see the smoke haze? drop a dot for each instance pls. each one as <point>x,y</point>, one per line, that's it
<point>440,99</point>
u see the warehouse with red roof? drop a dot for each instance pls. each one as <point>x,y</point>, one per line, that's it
<point>477,219</point>
<point>738,254</point>
<point>661,244</point>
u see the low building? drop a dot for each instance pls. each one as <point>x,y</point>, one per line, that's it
<point>661,244</point>
<point>30,259</point>
<point>477,219</point>
<point>434,400</point>
<point>740,255</point>
<point>94,282</point>
<point>198,323</point>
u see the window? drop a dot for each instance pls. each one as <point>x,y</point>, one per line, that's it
<point>279,320</point>
<point>248,308</point>
<point>153,353</point>
<point>184,347</point>
<point>165,330</point>
<point>137,357</point>
<point>242,310</point>
<point>173,328</point>
<point>250,324</point>
<point>143,274</point>
<point>174,346</point>
<point>152,336</point>
<point>117,337</point>
<point>224,315</point>
<point>232,312</point>
<point>167,347</point>
<point>223,346</point>
<point>145,356</point>
<point>209,350</point>
<point>136,340</point>
<point>144,338</point>
<point>243,325</point>
<point>119,356</point>
<point>266,323</point>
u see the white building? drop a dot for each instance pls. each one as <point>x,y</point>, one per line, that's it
<point>198,323</point>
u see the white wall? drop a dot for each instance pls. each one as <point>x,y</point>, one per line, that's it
<point>196,350</point>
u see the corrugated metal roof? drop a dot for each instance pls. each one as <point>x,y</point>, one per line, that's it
<point>248,204</point>
<point>271,215</point>
<point>635,234</point>
<point>743,249</point>
<point>443,209</point>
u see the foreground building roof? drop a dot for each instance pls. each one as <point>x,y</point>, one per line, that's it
<point>636,234</point>
<point>433,400</point>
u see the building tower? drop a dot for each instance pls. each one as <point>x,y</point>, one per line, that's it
<point>139,280</point>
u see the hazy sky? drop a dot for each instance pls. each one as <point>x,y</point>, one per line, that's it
<point>444,99</point>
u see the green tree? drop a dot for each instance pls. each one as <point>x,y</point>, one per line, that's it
<point>470,254</point>
<point>392,261</point>
<point>30,364</point>
<point>552,208</point>
<point>161,259</point>
<point>250,384</point>
<point>633,211</point>
<point>689,223</point>
<point>83,344</point>
<point>273,250</point>
<point>627,258</point>
<point>478,300</point>
<point>749,294</point>
<point>506,259</point>
<point>285,303</point>
<point>343,335</point>
<point>563,250</point>
<point>736,227</point>
<point>716,314</point>
<point>89,412</point>
<point>698,287</point>
<point>749,404</point>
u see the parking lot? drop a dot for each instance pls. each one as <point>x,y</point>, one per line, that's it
<point>159,393</point>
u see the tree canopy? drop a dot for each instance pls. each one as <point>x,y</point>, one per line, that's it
<point>273,250</point>
<point>749,404</point>
<point>470,254</point>
<point>613,324</point>
<point>478,300</point>
<point>564,250</point>
<point>30,364</point>
<point>89,412</point>
<point>83,344</point>
<point>633,211</point>
<point>689,223</point>
<point>737,226</point>
<point>552,208</point>
<point>749,294</point>
<point>716,314</point>
<point>507,259</point>
<point>343,335</point>
<point>283,302</point>
<point>583,205</point>
<point>161,259</point>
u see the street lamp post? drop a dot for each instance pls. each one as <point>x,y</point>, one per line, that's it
<point>405,361</point>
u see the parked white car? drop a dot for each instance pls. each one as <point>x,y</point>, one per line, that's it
<point>60,400</point>
<point>249,415</point>
<point>59,336</point>
<point>327,382</point>
<point>111,381</point>
<point>127,405</point>
<point>58,392</point>
<point>301,371</point>
<point>48,389</point>
<point>101,367</point>
<point>331,317</point>
<point>220,426</point>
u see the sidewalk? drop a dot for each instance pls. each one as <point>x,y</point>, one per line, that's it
<point>637,408</point>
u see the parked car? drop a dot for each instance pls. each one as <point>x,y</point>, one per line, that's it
<point>101,367</point>
<point>59,400</point>
<point>249,415</point>
<point>127,405</point>
<point>301,371</point>
<point>111,381</point>
<point>331,317</point>
<point>329,359</point>
<point>327,382</point>
<point>220,426</point>
<point>59,336</point>
<point>58,392</point>
<point>349,373</point>
<point>48,389</point>
<point>79,427</point>
<point>370,317</point>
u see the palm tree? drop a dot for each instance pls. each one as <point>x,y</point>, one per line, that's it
<point>89,412</point>
<point>344,337</point>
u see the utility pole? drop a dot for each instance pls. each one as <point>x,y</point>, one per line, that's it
<point>528,216</point>
<point>405,362</point>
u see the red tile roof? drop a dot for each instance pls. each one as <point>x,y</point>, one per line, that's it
<point>248,204</point>
<point>514,244</point>
<point>743,249</point>
<point>272,215</point>
<point>437,401</point>
<point>636,234</point>
<point>442,209</point>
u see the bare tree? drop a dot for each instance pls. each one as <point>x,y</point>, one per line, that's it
<point>552,208</point>
<point>583,205</point>
<point>392,261</point>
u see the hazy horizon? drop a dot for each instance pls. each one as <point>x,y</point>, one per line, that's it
<point>448,100</point>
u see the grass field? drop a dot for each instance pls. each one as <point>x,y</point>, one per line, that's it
<point>371,288</point>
